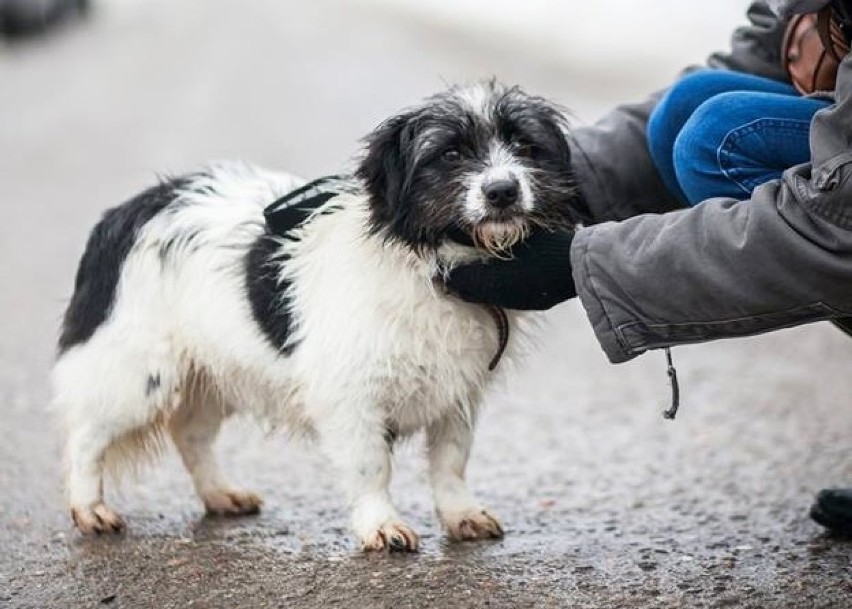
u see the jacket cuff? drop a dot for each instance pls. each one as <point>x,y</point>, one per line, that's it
<point>601,323</point>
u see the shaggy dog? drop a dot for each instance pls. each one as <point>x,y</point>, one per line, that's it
<point>187,308</point>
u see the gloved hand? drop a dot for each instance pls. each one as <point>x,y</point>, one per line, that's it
<point>537,277</point>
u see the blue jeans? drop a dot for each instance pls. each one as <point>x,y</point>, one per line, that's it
<point>718,133</point>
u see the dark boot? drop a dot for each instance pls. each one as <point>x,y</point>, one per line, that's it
<point>833,510</point>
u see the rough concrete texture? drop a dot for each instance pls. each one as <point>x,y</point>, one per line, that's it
<point>606,504</point>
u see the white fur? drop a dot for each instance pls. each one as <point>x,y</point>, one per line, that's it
<point>501,165</point>
<point>477,97</point>
<point>378,345</point>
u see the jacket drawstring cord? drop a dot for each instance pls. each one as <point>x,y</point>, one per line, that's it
<point>671,413</point>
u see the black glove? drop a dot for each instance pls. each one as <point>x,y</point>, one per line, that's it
<point>537,277</point>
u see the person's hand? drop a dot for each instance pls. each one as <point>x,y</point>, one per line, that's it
<point>536,277</point>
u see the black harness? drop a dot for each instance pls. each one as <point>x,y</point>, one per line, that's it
<point>288,212</point>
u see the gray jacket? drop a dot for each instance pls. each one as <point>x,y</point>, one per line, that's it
<point>663,275</point>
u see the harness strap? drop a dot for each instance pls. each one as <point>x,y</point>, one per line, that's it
<point>288,212</point>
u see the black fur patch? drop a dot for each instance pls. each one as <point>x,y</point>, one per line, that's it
<point>100,268</point>
<point>153,384</point>
<point>391,434</point>
<point>266,294</point>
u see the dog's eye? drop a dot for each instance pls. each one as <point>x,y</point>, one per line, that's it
<point>451,155</point>
<point>524,149</point>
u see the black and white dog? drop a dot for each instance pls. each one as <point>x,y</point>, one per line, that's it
<point>187,309</point>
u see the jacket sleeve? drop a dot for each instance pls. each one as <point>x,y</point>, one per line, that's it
<point>726,268</point>
<point>611,157</point>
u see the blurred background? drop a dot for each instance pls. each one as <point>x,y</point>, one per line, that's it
<point>295,84</point>
<point>606,504</point>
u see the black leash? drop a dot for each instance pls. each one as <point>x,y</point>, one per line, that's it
<point>501,319</point>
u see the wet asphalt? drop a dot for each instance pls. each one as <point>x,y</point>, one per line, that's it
<point>605,503</point>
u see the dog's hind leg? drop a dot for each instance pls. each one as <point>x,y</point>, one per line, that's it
<point>113,410</point>
<point>194,428</point>
<point>449,442</point>
<point>86,449</point>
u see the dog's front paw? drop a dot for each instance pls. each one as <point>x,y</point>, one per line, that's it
<point>475,523</point>
<point>228,502</point>
<point>97,519</point>
<point>391,536</point>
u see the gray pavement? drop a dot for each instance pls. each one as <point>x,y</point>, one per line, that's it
<point>606,504</point>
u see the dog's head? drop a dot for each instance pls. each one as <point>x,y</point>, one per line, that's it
<point>485,161</point>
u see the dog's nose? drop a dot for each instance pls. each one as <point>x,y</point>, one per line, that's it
<point>501,193</point>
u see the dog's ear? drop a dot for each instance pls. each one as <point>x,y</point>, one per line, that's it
<point>554,129</point>
<point>552,126</point>
<point>536,120</point>
<point>384,168</point>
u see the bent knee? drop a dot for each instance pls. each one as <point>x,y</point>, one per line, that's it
<point>709,126</point>
<point>685,96</point>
